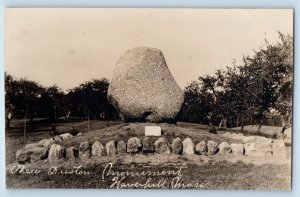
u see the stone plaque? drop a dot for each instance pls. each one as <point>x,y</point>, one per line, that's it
<point>152,131</point>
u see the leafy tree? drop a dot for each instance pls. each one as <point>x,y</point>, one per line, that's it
<point>246,94</point>
<point>270,75</point>
<point>52,103</point>
<point>89,100</point>
<point>22,99</point>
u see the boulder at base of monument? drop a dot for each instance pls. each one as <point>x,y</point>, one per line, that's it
<point>121,147</point>
<point>176,146</point>
<point>147,143</point>
<point>201,148</point>
<point>133,145</point>
<point>224,148</point>
<point>97,149</point>
<point>212,147</point>
<point>161,146</point>
<point>111,149</point>
<point>55,153</point>
<point>188,147</point>
<point>84,150</point>
<point>258,149</point>
<point>31,154</point>
<point>142,87</point>
<point>237,149</point>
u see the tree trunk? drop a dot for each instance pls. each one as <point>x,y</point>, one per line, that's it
<point>242,125</point>
<point>282,121</point>
<point>220,124</point>
<point>8,123</point>
<point>225,123</point>
<point>24,134</point>
<point>88,121</point>
<point>260,124</point>
<point>25,121</point>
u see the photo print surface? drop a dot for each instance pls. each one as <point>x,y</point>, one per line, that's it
<point>136,98</point>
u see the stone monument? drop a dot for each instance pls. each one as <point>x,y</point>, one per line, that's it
<point>143,89</point>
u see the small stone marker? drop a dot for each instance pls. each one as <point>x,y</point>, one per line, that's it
<point>152,131</point>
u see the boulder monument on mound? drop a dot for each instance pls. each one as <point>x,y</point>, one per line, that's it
<point>142,87</point>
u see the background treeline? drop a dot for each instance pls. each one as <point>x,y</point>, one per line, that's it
<point>249,93</point>
<point>28,100</point>
<point>259,89</point>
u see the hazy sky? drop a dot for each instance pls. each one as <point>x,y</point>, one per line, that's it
<point>70,46</point>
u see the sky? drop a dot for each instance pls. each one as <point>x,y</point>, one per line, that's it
<point>68,47</point>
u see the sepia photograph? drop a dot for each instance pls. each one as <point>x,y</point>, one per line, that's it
<point>148,98</point>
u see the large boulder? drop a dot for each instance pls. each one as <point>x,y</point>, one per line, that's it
<point>55,153</point>
<point>188,147</point>
<point>176,146</point>
<point>133,145</point>
<point>31,154</point>
<point>97,149</point>
<point>142,87</point>
<point>161,146</point>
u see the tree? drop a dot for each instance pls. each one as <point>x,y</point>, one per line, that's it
<point>52,103</point>
<point>10,102</point>
<point>270,74</point>
<point>246,93</point>
<point>22,99</point>
<point>89,100</point>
